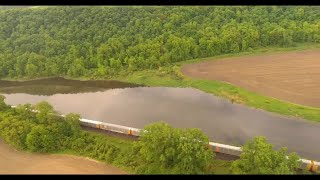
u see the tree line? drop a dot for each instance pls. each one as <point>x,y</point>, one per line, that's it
<point>107,41</point>
<point>160,149</point>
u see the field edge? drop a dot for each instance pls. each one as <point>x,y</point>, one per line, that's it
<point>171,76</point>
<point>227,90</point>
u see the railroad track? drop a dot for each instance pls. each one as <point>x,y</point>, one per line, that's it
<point>220,156</point>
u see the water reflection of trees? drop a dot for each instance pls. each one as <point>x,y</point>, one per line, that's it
<point>59,86</point>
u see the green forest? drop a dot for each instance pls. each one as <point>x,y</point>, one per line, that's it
<point>107,41</point>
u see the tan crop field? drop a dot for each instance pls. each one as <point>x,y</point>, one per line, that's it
<point>19,162</point>
<point>290,76</point>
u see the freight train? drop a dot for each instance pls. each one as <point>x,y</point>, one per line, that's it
<point>309,165</point>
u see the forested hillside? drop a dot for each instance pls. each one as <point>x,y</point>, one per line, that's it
<point>103,41</point>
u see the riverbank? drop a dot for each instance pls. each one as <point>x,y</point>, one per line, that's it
<point>172,77</point>
<point>13,161</point>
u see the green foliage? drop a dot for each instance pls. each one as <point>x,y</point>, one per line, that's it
<point>25,112</point>
<point>74,121</point>
<point>44,107</point>
<point>177,72</point>
<point>45,110</point>
<point>3,105</point>
<point>15,131</point>
<point>103,42</point>
<point>259,157</point>
<point>40,139</point>
<point>42,131</point>
<point>183,151</point>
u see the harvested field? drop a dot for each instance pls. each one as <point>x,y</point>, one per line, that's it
<point>17,162</point>
<point>290,76</point>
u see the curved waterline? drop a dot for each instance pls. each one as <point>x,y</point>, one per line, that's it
<point>51,86</point>
<point>223,121</point>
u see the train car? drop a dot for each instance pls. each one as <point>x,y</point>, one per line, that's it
<point>110,127</point>
<point>310,165</point>
<point>225,149</point>
<point>89,123</point>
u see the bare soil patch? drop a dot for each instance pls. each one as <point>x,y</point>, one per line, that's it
<point>17,162</point>
<point>290,76</point>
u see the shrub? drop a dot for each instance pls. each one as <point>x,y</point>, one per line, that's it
<point>185,151</point>
<point>259,157</point>
<point>40,139</point>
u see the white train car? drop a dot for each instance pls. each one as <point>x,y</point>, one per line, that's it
<point>225,149</point>
<point>110,127</point>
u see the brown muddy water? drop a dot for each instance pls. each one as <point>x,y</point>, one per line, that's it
<point>221,120</point>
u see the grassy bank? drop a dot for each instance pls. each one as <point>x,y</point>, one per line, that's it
<point>172,77</point>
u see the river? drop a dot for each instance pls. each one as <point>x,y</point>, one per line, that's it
<point>130,105</point>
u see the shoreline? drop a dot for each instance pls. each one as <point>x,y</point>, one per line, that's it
<point>16,162</point>
<point>239,95</point>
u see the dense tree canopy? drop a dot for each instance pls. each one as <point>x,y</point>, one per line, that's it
<point>104,41</point>
<point>259,157</point>
<point>184,151</point>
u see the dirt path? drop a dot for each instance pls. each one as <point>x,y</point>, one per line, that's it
<point>17,162</point>
<point>291,76</point>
